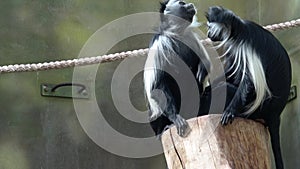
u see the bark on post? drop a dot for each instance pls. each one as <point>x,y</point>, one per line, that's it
<point>244,144</point>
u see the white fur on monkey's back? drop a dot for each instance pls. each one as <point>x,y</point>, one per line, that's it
<point>246,57</point>
<point>242,57</point>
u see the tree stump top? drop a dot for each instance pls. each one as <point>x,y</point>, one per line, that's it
<point>241,145</point>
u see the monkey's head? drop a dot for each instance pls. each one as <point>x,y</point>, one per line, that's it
<point>178,8</point>
<point>220,22</point>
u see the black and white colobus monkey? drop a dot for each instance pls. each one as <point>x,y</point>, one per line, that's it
<point>258,66</point>
<point>162,92</point>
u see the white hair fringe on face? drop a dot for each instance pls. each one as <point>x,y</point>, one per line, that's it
<point>215,29</point>
<point>163,50</point>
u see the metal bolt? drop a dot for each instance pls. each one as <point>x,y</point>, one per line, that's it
<point>45,88</point>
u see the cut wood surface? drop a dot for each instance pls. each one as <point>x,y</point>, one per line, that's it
<point>244,144</point>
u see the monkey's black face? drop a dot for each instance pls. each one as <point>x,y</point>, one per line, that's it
<point>219,23</point>
<point>179,8</point>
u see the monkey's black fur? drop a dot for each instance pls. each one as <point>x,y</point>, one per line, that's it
<point>258,69</point>
<point>160,85</point>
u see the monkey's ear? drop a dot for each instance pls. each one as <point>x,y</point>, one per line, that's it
<point>163,6</point>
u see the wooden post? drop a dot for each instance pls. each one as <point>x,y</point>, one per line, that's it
<point>244,144</point>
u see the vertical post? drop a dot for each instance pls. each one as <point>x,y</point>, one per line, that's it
<point>243,144</point>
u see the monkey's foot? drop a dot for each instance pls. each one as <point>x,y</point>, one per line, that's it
<point>227,117</point>
<point>183,128</point>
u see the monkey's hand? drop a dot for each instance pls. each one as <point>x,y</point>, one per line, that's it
<point>183,128</point>
<point>227,117</point>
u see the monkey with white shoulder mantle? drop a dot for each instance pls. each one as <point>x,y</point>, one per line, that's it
<point>175,42</point>
<point>257,69</point>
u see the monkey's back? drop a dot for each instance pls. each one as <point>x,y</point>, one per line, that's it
<point>277,67</point>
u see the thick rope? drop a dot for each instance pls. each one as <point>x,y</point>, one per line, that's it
<point>111,57</point>
<point>284,25</point>
<point>71,63</point>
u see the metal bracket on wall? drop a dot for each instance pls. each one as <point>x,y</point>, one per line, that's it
<point>293,93</point>
<point>65,90</point>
